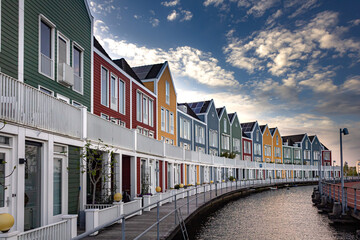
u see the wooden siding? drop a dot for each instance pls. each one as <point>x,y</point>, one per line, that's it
<point>73,180</point>
<point>257,157</point>
<point>75,25</point>
<point>180,114</point>
<point>267,140</point>
<point>99,62</point>
<point>161,97</point>
<point>9,38</point>
<point>135,122</point>
<point>279,145</point>
<point>150,86</point>
<point>222,131</point>
<point>236,133</point>
<point>212,124</point>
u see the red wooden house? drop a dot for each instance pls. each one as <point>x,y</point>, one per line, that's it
<point>247,147</point>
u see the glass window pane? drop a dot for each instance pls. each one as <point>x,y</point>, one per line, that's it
<point>45,39</point>
<point>122,97</point>
<point>57,186</point>
<point>2,179</point>
<point>104,86</point>
<point>62,51</point>
<point>77,62</point>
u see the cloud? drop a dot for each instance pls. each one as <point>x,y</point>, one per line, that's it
<point>100,27</point>
<point>154,22</point>
<point>216,3</point>
<point>279,50</point>
<point>305,5</point>
<point>103,8</point>
<point>274,16</point>
<point>187,15</point>
<point>137,16</point>
<point>355,22</point>
<point>171,3</point>
<point>172,16</point>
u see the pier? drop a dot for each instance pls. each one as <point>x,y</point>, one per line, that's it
<point>168,217</point>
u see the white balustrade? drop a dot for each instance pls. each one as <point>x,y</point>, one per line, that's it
<point>150,200</point>
<point>173,151</point>
<point>149,145</point>
<point>132,206</point>
<point>21,103</point>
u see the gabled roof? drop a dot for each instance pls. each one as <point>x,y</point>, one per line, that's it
<point>294,138</point>
<point>148,71</point>
<point>288,140</point>
<point>219,110</point>
<point>98,46</point>
<point>312,138</point>
<point>244,134</point>
<point>248,127</point>
<point>200,107</point>
<point>122,63</point>
<point>231,116</point>
<point>272,131</point>
<point>324,146</point>
<point>189,111</point>
<point>262,128</point>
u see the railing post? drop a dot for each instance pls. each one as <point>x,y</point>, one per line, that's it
<point>210,192</point>
<point>158,223</point>
<point>216,189</point>
<point>175,210</point>
<point>339,193</point>
<point>346,205</point>
<point>188,210</point>
<point>123,228</point>
<point>196,195</point>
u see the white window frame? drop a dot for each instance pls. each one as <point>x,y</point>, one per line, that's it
<point>225,126</point>
<point>267,150</point>
<point>171,119</point>
<point>236,145</point>
<point>145,108</point>
<point>52,26</point>
<point>41,88</point>
<point>139,106</point>
<point>76,104</point>
<point>63,98</point>
<point>114,106</point>
<point>163,119</point>
<point>107,86</point>
<point>167,92</point>
<point>225,142</point>
<point>297,156</point>
<point>67,40</point>
<point>123,98</point>
<point>151,112</point>
<point>257,135</point>
<point>75,44</point>
<point>167,120</point>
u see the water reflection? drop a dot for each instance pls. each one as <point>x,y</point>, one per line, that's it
<point>276,214</point>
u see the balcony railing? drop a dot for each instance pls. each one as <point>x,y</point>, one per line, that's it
<point>26,105</point>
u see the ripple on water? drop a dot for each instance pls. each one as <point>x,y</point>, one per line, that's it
<point>279,214</point>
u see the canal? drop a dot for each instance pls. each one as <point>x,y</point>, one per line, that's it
<point>276,214</point>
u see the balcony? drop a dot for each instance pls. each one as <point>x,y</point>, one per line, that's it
<point>22,104</point>
<point>149,145</point>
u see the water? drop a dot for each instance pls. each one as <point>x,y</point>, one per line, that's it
<point>275,214</point>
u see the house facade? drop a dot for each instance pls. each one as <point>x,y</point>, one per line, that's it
<point>315,150</point>
<point>157,78</point>
<point>302,142</point>
<point>253,130</point>
<point>236,135</point>
<point>58,49</point>
<point>247,147</point>
<point>267,144</point>
<point>225,132</point>
<point>277,145</point>
<point>326,156</point>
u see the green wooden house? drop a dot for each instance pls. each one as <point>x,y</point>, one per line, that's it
<point>225,132</point>
<point>235,134</point>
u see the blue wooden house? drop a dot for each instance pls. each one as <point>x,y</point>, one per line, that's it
<point>315,150</point>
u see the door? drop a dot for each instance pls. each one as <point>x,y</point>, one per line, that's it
<point>4,170</point>
<point>32,203</point>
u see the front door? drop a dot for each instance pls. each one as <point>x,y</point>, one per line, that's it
<point>32,202</point>
<point>5,160</point>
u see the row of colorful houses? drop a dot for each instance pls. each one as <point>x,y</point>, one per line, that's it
<point>59,90</point>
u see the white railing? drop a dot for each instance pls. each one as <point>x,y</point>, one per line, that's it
<point>97,206</point>
<point>229,162</point>
<point>132,206</point>
<point>108,214</point>
<point>149,145</point>
<point>109,132</point>
<point>95,217</point>
<point>194,156</point>
<point>173,151</point>
<point>218,160</point>
<point>205,158</point>
<point>149,200</point>
<point>55,231</point>
<point>188,155</point>
<point>26,105</point>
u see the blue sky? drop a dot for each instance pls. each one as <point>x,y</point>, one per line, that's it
<point>294,64</point>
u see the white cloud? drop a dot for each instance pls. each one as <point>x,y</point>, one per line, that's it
<point>100,27</point>
<point>216,3</point>
<point>274,16</point>
<point>172,16</point>
<point>259,7</point>
<point>154,22</point>
<point>103,8</point>
<point>352,84</point>
<point>187,15</point>
<point>171,3</point>
<point>305,5</point>
<point>355,22</point>
<point>137,16</point>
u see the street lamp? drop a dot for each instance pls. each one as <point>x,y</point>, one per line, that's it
<point>334,170</point>
<point>344,131</point>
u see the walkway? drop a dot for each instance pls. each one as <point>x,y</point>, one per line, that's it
<point>351,193</point>
<point>138,224</point>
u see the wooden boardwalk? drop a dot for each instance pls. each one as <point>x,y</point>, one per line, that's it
<point>136,225</point>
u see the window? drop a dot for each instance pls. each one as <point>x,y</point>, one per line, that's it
<point>45,90</point>
<point>213,152</point>
<point>104,116</point>
<point>199,134</point>
<point>114,92</point>
<point>287,153</point>
<point>316,155</point>
<point>151,112</point>
<point>76,104</point>
<point>122,123</point>
<point>57,179</point>
<point>167,120</point>
<point>63,98</point>
<point>151,134</point>
<point>306,144</point>
<point>185,131</point>
<point>121,97</point>
<point>327,156</point>
<point>277,140</point>
<point>46,47</point>
<point>139,129</point>
<point>225,142</point>
<point>307,154</point>
<point>63,53</point>
<point>145,132</point>
<point>171,123</point>
<point>114,120</point>
<point>138,107</point>
<point>297,154</point>
<point>145,110</point>
<point>213,138</point>
<point>257,149</point>
<point>257,135</point>
<point>268,150</point>
<point>78,68</point>
<point>225,125</point>
<point>277,152</point>
<point>236,145</point>
<point>199,149</point>
<point>247,147</point>
<point>185,146</point>
<point>167,92</point>
<point>162,119</point>
<point>104,87</point>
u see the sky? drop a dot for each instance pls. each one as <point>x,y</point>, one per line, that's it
<point>291,64</point>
